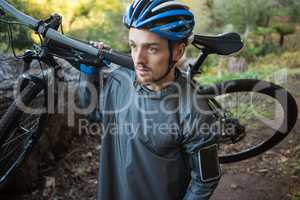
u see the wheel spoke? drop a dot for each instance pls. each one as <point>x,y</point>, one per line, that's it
<point>255,113</point>
<point>16,138</point>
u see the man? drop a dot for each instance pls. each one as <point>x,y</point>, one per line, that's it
<point>152,124</point>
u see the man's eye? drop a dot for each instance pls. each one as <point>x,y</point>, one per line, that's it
<point>132,46</point>
<point>152,50</point>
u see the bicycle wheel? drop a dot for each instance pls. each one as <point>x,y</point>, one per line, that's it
<point>20,128</point>
<point>265,112</point>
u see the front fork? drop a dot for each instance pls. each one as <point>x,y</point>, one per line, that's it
<point>47,77</point>
<point>54,77</point>
<point>26,78</point>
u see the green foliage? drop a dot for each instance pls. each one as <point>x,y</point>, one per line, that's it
<point>268,48</point>
<point>202,15</point>
<point>211,61</point>
<point>289,8</point>
<point>296,196</point>
<point>264,68</point>
<point>284,28</point>
<point>251,51</point>
<point>103,23</point>
<point>210,79</point>
<point>20,33</point>
<point>260,43</point>
<point>263,31</point>
<point>84,19</point>
<point>292,42</point>
<point>256,15</point>
<point>244,15</point>
<point>284,60</point>
<point>21,37</point>
<point>101,20</point>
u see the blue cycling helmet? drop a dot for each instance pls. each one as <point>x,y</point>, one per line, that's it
<point>169,19</point>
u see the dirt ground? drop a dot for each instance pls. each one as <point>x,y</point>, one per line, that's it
<point>273,175</point>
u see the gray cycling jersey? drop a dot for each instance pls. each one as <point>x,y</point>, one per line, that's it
<point>150,140</point>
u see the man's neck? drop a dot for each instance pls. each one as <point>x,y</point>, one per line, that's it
<point>158,86</point>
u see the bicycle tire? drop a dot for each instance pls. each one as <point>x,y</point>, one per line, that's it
<point>10,124</point>
<point>281,95</point>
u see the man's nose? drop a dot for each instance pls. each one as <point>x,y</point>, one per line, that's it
<point>140,56</point>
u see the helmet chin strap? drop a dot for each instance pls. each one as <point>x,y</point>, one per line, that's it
<point>170,65</point>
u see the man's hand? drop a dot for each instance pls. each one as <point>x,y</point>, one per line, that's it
<point>89,70</point>
<point>99,45</point>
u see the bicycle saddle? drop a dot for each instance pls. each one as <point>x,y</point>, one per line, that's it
<point>223,44</point>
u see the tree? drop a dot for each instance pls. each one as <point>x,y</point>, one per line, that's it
<point>201,13</point>
<point>21,34</point>
<point>287,17</point>
<point>85,19</point>
<point>284,29</point>
<point>16,30</point>
<point>244,15</point>
<point>248,16</point>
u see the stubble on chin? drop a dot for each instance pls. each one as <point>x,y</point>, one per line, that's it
<point>143,81</point>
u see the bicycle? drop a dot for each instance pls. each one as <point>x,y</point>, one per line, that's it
<point>18,137</point>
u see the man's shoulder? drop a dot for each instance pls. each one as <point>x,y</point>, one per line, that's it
<point>191,102</point>
<point>121,75</point>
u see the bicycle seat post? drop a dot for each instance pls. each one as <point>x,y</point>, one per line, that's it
<point>197,66</point>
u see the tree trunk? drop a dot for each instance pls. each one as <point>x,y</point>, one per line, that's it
<point>281,40</point>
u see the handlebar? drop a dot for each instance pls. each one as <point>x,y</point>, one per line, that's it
<point>47,32</point>
<point>110,55</point>
<point>22,17</point>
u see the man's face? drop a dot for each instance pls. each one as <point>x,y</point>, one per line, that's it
<point>150,54</point>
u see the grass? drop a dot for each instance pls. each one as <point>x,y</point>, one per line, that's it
<point>266,72</point>
<point>263,72</point>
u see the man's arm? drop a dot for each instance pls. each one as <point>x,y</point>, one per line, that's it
<point>199,190</point>
<point>90,83</point>
<point>200,135</point>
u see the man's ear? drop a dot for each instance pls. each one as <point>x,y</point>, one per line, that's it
<point>178,51</point>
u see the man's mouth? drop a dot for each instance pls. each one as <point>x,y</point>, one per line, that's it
<point>142,70</point>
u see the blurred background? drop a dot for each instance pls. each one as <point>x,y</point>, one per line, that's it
<point>269,29</point>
